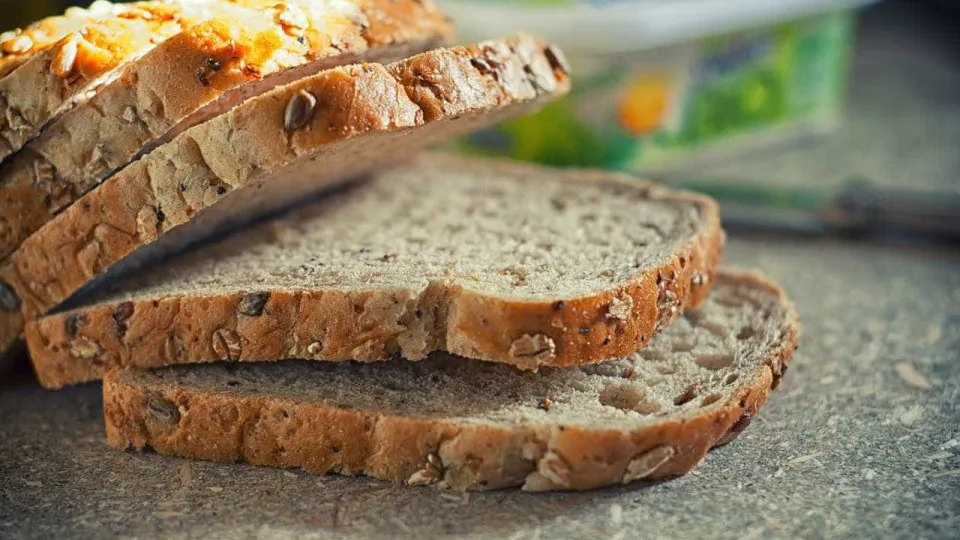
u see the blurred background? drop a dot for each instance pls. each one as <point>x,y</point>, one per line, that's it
<point>803,116</point>
<point>800,116</point>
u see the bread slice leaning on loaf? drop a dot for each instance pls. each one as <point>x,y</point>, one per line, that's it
<point>496,261</point>
<point>267,153</point>
<point>467,425</point>
<point>54,78</point>
<point>200,73</point>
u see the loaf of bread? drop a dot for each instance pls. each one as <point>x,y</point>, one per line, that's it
<point>237,52</point>
<point>270,152</point>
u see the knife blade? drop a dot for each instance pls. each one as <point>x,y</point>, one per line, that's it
<point>857,207</point>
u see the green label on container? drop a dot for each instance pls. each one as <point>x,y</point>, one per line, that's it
<point>646,109</point>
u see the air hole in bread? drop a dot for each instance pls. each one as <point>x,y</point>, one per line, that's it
<point>731,378</point>
<point>714,327</point>
<point>233,383</point>
<point>653,354</point>
<point>628,397</point>
<point>621,396</point>
<point>646,406</point>
<point>694,316</point>
<point>687,395</point>
<point>746,333</point>
<point>666,370</point>
<point>715,362</point>
<point>710,399</point>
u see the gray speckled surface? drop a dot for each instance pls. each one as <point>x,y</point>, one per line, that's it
<point>846,448</point>
<point>849,447</point>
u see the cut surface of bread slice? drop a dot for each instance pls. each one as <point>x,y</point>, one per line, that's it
<point>54,78</point>
<point>268,153</point>
<point>490,260</point>
<point>469,425</point>
<point>196,75</point>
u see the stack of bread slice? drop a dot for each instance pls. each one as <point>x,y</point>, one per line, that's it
<point>221,210</point>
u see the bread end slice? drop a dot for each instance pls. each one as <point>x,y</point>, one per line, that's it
<point>466,425</point>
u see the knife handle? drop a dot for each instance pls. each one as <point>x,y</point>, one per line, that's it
<point>867,208</point>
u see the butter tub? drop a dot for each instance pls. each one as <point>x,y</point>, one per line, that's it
<point>662,84</point>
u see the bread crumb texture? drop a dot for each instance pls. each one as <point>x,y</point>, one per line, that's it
<point>496,230</point>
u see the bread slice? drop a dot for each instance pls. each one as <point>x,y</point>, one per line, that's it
<point>51,80</point>
<point>490,260</point>
<point>19,45</point>
<point>196,75</point>
<point>270,152</point>
<point>467,425</point>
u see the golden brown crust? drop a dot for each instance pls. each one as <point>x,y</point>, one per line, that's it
<point>170,186</point>
<point>582,330</point>
<point>49,79</point>
<point>467,456</point>
<point>168,86</point>
<point>19,45</point>
<point>82,344</point>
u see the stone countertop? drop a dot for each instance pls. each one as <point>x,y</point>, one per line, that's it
<point>848,447</point>
<point>862,440</point>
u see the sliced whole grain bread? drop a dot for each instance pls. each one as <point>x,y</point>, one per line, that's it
<point>268,153</point>
<point>196,75</point>
<point>490,260</point>
<point>52,79</point>
<point>467,425</point>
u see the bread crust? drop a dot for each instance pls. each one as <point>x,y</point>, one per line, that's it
<point>210,63</point>
<point>470,456</point>
<point>51,78</point>
<point>329,325</point>
<point>473,86</point>
<point>43,34</point>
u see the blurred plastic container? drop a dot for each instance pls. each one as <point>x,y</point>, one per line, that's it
<point>661,83</point>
